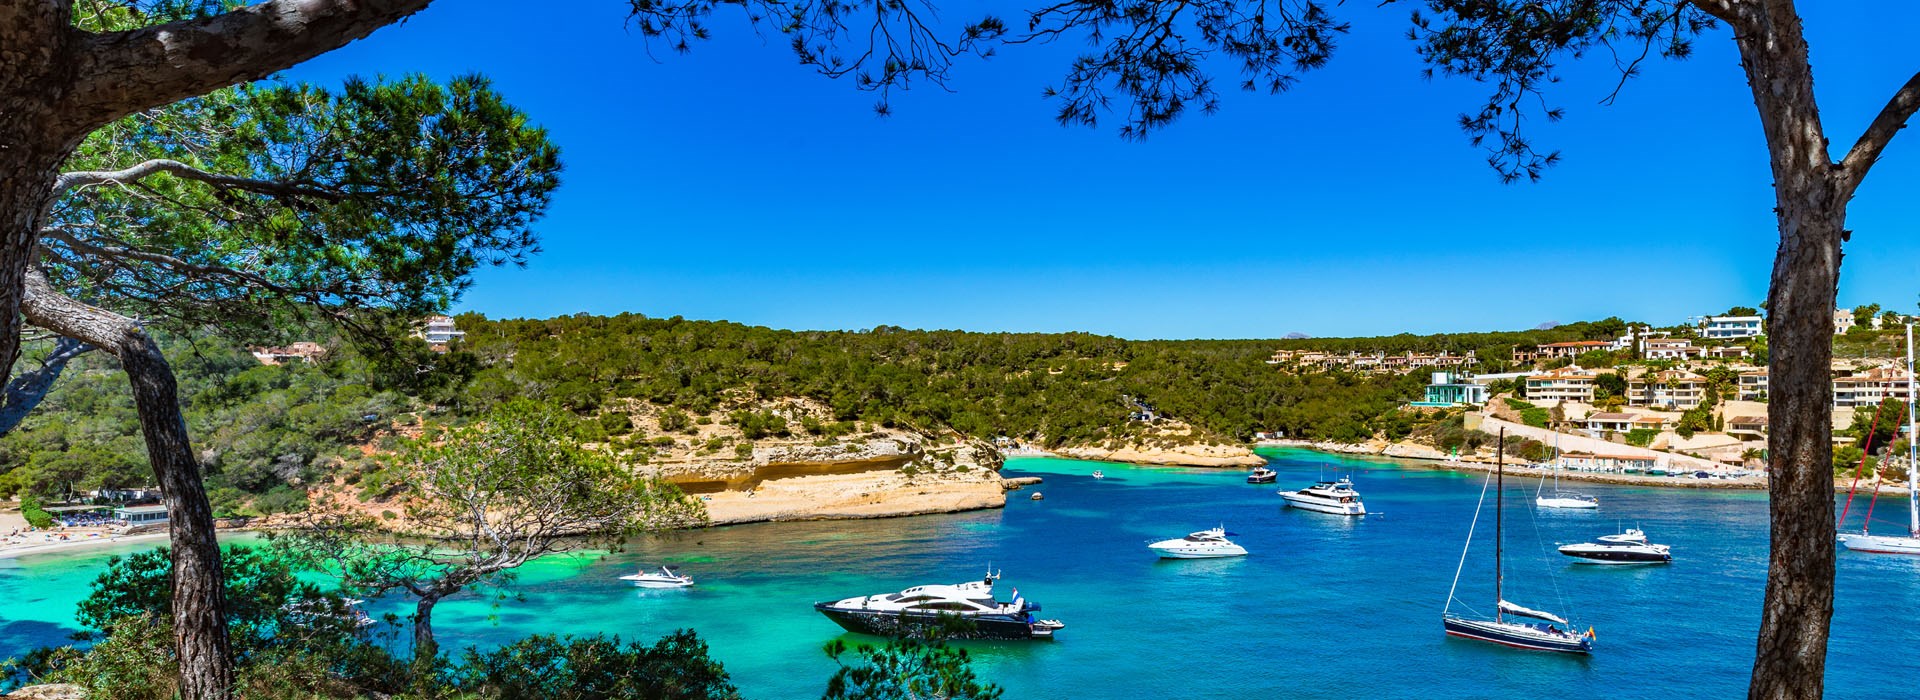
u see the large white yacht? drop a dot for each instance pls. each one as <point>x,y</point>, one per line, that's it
<point>1630,547</point>
<point>1336,497</point>
<point>931,609</point>
<point>1205,544</point>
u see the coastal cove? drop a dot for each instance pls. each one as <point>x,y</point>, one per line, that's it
<point>1319,598</point>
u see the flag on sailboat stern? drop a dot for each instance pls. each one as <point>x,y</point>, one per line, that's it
<point>1511,609</point>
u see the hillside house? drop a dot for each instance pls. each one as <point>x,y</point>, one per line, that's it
<point>1671,389</point>
<point>1732,327</point>
<point>1564,384</point>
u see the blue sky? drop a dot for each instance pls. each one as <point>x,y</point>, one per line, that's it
<point>732,183</point>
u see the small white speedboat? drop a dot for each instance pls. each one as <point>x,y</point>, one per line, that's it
<point>1098,475</point>
<point>1205,544</point>
<point>666,577</point>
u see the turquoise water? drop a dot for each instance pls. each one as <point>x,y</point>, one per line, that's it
<point>1324,607</point>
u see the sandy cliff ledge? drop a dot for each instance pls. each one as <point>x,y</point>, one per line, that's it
<point>881,473</point>
<point>1178,455</point>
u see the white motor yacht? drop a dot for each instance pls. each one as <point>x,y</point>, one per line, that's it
<point>1205,544</point>
<point>928,609</point>
<point>1336,497</point>
<point>1630,547</point>
<point>666,577</point>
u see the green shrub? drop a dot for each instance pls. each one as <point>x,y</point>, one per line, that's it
<point>615,423</point>
<point>1642,437</point>
<point>31,510</point>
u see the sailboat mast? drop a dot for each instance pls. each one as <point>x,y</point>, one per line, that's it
<point>1913,482</point>
<point>1499,521</point>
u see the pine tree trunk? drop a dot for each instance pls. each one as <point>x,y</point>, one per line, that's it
<point>1790,661</point>
<point>200,629</point>
<point>1810,203</point>
<point>425,647</point>
<point>199,620</point>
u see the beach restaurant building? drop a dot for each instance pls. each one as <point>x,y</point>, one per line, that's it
<point>141,516</point>
<point>1588,461</point>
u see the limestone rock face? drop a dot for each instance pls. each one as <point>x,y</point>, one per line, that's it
<point>53,691</point>
<point>872,472</point>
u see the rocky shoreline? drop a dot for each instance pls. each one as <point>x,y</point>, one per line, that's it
<point>1434,459</point>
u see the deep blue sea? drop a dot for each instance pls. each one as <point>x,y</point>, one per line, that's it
<point>1323,607</point>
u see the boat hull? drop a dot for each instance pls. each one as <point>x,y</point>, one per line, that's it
<point>1295,500</point>
<point>910,624</point>
<point>1263,479</point>
<point>1518,636</point>
<point>1880,544</point>
<point>1568,503</point>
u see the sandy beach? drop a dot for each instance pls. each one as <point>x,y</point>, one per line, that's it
<point>35,543</point>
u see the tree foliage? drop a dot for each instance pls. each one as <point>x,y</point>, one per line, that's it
<point>488,497</point>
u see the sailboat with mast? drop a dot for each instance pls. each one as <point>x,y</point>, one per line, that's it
<point>1865,541</point>
<point>1560,499</point>
<point>1507,626</point>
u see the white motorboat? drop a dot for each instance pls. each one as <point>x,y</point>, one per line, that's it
<point>1630,547</point>
<point>1205,544</point>
<point>1097,474</point>
<point>666,577</point>
<point>1336,497</point>
<point>1262,475</point>
<point>1894,544</point>
<point>1563,499</point>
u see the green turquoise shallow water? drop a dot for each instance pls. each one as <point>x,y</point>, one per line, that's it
<point>1324,607</point>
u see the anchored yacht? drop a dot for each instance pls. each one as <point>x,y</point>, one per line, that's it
<point>922,610</point>
<point>1629,547</point>
<point>1205,544</point>
<point>1262,475</point>
<point>1336,497</point>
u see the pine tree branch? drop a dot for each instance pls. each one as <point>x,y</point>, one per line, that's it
<point>1892,118</point>
<point>85,178</point>
<point>119,73</point>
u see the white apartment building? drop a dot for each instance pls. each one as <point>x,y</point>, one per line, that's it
<point>1564,384</point>
<point>1731,327</point>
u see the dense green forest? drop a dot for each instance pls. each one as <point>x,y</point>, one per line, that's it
<point>265,431</point>
<point>261,430</point>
